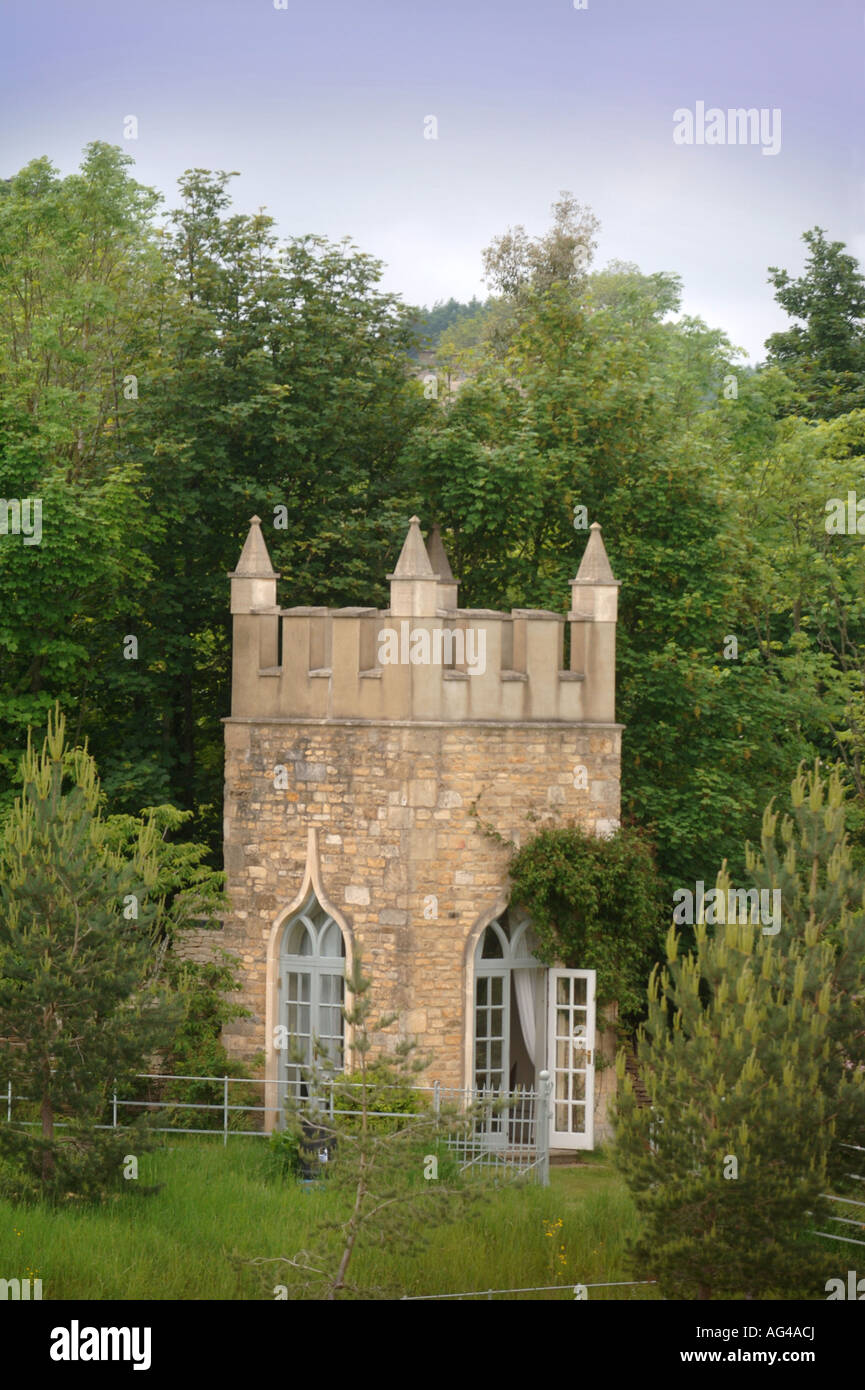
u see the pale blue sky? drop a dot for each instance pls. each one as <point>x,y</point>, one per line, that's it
<point>321,108</point>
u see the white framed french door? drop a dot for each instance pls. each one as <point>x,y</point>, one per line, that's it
<point>508,1023</point>
<point>571,1057</point>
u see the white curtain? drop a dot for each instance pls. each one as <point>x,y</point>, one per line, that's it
<point>524,985</point>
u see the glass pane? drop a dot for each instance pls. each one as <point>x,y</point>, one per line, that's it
<point>563,1055</point>
<point>333,984</point>
<point>298,941</point>
<point>580,991</point>
<point>496,1055</point>
<point>578,1119</point>
<point>497,993</point>
<point>578,1085</point>
<point>497,1023</point>
<point>563,992</point>
<point>483,985</point>
<point>561,1118</point>
<point>492,947</point>
<point>297,1022</point>
<point>563,1023</point>
<point>331,941</point>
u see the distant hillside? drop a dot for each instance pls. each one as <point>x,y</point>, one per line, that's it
<point>433,322</point>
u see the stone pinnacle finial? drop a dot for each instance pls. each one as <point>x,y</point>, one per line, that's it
<point>595,565</point>
<point>438,556</point>
<point>254,559</point>
<point>414,562</point>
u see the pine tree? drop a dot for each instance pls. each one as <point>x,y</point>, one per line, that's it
<point>823,894</point>
<point>80,1006</point>
<point>751,1058</point>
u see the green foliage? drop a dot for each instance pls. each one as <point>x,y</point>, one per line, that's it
<point>245,355</point>
<point>184,880</point>
<point>751,1057</point>
<point>285,1147</point>
<point>806,605</point>
<point>593,397</point>
<point>823,355</point>
<point>196,1048</point>
<point>595,904</point>
<point>383,1098</point>
<point>515,262</point>
<point>80,1005</point>
<point>77,262</point>
<point>279,382</point>
<point>432,323</point>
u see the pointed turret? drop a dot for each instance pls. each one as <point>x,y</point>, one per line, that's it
<point>413,584</point>
<point>595,564</point>
<point>256,619</point>
<point>594,592</point>
<point>593,617</point>
<point>253,583</point>
<point>447,585</point>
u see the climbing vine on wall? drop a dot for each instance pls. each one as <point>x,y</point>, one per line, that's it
<point>596,904</point>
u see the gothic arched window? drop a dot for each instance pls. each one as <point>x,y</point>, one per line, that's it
<point>311,993</point>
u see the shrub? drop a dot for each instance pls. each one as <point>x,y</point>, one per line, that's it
<point>382,1095</point>
<point>595,904</point>
<point>284,1154</point>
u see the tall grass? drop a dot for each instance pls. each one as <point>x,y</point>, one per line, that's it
<point>219,1208</point>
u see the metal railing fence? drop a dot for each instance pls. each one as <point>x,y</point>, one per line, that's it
<point>578,1292</point>
<point>507,1131</point>
<point>851,1219</point>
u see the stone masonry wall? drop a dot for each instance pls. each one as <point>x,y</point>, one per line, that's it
<point>393,806</point>
<point>200,945</point>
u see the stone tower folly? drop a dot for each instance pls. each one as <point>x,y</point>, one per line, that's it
<point>373,760</point>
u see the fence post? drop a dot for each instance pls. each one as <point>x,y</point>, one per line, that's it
<point>224,1111</point>
<point>9,1101</point>
<point>114,1109</point>
<point>542,1128</point>
<point>437,1101</point>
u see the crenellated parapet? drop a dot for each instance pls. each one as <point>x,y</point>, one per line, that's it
<point>424,659</point>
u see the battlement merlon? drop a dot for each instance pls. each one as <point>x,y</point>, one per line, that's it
<point>423,659</point>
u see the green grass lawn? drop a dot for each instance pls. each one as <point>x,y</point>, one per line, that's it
<point>218,1209</point>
